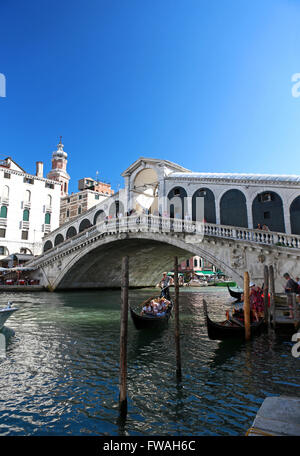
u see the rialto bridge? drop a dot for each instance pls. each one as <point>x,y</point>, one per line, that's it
<point>177,212</point>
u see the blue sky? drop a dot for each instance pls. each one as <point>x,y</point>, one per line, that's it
<point>203,83</point>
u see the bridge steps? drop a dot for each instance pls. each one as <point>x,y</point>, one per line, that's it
<point>281,317</point>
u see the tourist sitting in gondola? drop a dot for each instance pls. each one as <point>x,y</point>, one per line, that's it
<point>147,309</point>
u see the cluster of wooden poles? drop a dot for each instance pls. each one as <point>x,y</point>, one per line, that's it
<point>124,333</point>
<point>269,288</point>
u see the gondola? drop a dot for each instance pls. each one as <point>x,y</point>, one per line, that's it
<point>235,294</point>
<point>229,329</point>
<point>150,321</point>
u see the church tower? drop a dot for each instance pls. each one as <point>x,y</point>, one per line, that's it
<point>59,168</point>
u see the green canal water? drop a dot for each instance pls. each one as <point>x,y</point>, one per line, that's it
<point>60,376</point>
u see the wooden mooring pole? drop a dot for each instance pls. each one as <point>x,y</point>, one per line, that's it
<point>266,295</point>
<point>177,330</point>
<point>272,296</point>
<point>247,306</point>
<point>123,338</point>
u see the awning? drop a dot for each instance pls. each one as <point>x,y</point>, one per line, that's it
<point>205,272</point>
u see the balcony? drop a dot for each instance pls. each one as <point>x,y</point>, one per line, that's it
<point>4,201</point>
<point>24,225</point>
<point>3,221</point>
<point>46,228</point>
<point>26,204</point>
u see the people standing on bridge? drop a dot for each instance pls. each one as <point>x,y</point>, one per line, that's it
<point>164,284</point>
<point>265,228</point>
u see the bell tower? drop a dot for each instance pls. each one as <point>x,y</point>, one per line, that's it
<point>59,168</point>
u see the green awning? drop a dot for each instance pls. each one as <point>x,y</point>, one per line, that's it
<point>205,272</point>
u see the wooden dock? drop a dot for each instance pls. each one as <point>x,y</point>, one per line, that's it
<point>280,313</point>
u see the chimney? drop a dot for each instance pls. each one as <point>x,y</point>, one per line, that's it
<point>39,169</point>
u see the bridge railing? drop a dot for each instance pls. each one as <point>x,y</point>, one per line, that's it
<point>154,224</point>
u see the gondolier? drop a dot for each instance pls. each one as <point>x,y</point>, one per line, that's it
<point>164,284</point>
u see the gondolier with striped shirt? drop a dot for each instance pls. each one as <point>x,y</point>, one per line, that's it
<point>164,284</point>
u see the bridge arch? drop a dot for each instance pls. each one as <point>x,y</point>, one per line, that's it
<point>58,239</point>
<point>209,204</point>
<point>48,246</point>
<point>295,215</point>
<point>98,264</point>
<point>177,202</point>
<point>116,208</point>
<point>99,216</point>
<point>233,208</point>
<point>267,208</point>
<point>84,225</point>
<point>71,232</point>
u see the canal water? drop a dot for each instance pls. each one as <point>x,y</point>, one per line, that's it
<point>60,376</point>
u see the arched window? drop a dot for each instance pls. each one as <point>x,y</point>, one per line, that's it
<point>71,232</point>
<point>176,207</point>
<point>295,216</point>
<point>99,216</point>
<point>233,209</point>
<point>5,192</point>
<point>27,196</point>
<point>206,197</point>
<point>3,212</point>
<point>26,215</point>
<point>47,218</point>
<point>48,245</point>
<point>58,239</point>
<point>84,225</point>
<point>267,209</point>
<point>49,200</point>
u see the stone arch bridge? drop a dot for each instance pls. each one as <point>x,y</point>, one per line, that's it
<point>92,258</point>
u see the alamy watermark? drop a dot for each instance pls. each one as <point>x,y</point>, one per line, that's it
<point>2,86</point>
<point>296,346</point>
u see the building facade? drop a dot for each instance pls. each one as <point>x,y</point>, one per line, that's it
<point>91,193</point>
<point>29,208</point>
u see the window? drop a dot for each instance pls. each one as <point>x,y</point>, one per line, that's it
<point>187,263</point>
<point>3,250</point>
<point>5,192</point>
<point>79,197</point>
<point>24,235</point>
<point>49,200</point>
<point>96,197</point>
<point>28,180</point>
<point>195,263</point>
<point>79,210</point>
<point>47,218</point>
<point>68,213</point>
<point>3,212</point>
<point>27,196</point>
<point>2,232</point>
<point>48,185</point>
<point>26,215</point>
<point>264,197</point>
<point>6,175</point>
<point>267,215</point>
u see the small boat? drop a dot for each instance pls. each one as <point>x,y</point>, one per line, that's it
<point>235,294</point>
<point>229,329</point>
<point>197,283</point>
<point>150,321</point>
<point>5,313</point>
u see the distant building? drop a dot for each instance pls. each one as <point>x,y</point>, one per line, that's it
<point>195,264</point>
<point>29,208</point>
<point>91,193</point>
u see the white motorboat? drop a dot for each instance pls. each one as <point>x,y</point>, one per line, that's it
<point>5,313</point>
<point>197,283</point>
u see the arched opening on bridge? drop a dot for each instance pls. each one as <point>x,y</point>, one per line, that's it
<point>58,239</point>
<point>233,209</point>
<point>71,232</point>
<point>48,246</point>
<point>146,191</point>
<point>99,216</point>
<point>84,225</point>
<point>204,196</point>
<point>116,209</point>
<point>267,209</point>
<point>176,202</point>
<point>295,216</point>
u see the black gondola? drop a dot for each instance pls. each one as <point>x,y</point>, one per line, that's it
<point>235,294</point>
<point>229,329</point>
<point>150,321</point>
